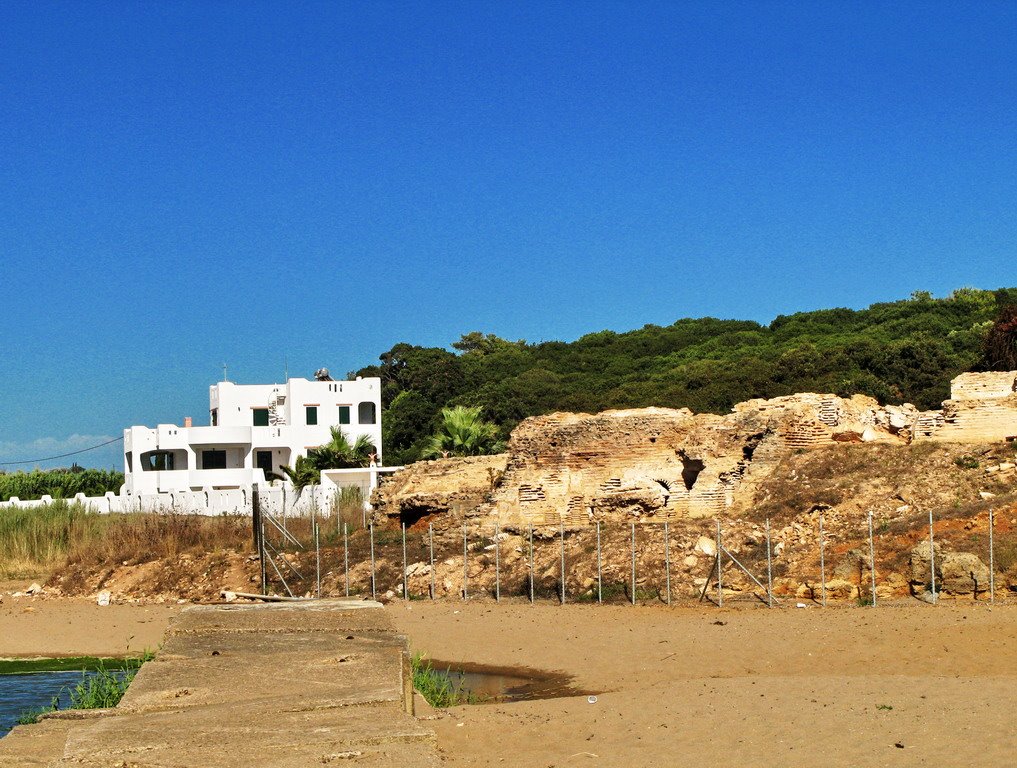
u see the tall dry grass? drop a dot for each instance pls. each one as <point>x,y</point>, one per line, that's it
<point>34,541</point>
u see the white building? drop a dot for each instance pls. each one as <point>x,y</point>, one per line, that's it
<point>253,429</point>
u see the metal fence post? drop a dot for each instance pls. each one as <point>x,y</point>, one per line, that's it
<point>262,556</point>
<point>667,562</point>
<point>406,585</point>
<point>769,568</point>
<point>531,563</point>
<point>872,561</point>
<point>720,569</point>
<point>374,589</point>
<point>561,521</point>
<point>317,559</point>
<point>430,547</point>
<point>822,557</point>
<point>497,563</point>
<point>346,558</point>
<point>600,586</point>
<point>633,563</point>
<point>992,558</point>
<point>465,554</point>
<point>932,558</point>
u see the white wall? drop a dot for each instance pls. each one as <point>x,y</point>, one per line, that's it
<point>276,500</point>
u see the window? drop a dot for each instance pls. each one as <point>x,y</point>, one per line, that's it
<point>213,459</point>
<point>215,417</point>
<point>344,414</point>
<point>312,415</point>
<point>366,413</point>
<point>260,417</point>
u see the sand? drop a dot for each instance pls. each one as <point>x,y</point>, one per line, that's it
<point>43,626</point>
<point>905,686</point>
<point>890,686</point>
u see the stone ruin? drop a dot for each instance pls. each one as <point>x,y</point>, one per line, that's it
<point>662,463</point>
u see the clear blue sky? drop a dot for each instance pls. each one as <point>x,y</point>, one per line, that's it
<point>190,183</point>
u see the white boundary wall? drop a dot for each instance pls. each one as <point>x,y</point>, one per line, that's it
<point>274,500</point>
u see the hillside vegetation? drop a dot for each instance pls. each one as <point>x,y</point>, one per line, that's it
<point>903,351</point>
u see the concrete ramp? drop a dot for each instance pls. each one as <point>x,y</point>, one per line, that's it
<point>286,684</point>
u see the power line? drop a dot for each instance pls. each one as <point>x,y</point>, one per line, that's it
<point>62,455</point>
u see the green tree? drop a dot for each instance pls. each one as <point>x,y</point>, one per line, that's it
<point>303,473</point>
<point>999,351</point>
<point>463,433</point>
<point>337,453</point>
<point>340,453</point>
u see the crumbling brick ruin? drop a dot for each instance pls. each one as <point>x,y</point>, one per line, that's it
<point>660,463</point>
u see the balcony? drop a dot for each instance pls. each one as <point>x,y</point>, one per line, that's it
<point>224,478</point>
<point>218,435</point>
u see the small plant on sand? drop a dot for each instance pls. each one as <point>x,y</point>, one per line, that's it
<point>967,461</point>
<point>435,686</point>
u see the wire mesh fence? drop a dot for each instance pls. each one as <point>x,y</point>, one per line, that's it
<point>636,562</point>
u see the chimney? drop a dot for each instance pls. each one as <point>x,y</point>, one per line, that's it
<point>187,422</point>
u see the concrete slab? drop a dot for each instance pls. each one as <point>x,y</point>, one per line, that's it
<point>251,734</point>
<point>286,685</point>
<point>32,746</point>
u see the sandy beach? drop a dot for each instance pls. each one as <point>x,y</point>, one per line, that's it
<point>46,626</point>
<point>907,686</point>
<point>891,686</point>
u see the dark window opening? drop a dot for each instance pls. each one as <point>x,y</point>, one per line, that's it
<point>366,413</point>
<point>312,415</point>
<point>157,461</point>
<point>263,461</point>
<point>260,417</point>
<point>213,459</point>
<point>215,417</point>
<point>130,461</point>
<point>690,471</point>
<point>344,414</point>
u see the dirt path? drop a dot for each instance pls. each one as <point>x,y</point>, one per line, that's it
<point>841,687</point>
<point>42,626</point>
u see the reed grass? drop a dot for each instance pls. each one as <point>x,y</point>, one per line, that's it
<point>37,540</point>
<point>59,483</point>
<point>101,687</point>
<point>435,686</point>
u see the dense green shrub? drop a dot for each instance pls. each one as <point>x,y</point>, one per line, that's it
<point>59,483</point>
<point>903,351</point>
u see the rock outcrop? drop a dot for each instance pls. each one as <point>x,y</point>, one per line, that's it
<point>982,407</point>
<point>662,463</point>
<point>957,573</point>
<point>456,486</point>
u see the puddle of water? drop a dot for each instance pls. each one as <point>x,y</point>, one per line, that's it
<point>505,684</point>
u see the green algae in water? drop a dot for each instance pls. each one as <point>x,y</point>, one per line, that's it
<point>64,664</point>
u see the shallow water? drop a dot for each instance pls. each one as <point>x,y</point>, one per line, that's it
<point>503,684</point>
<point>19,693</point>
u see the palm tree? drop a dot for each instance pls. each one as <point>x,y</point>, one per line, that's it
<point>340,453</point>
<point>303,473</point>
<point>337,453</point>
<point>463,433</point>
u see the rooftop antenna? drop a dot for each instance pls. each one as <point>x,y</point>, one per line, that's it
<point>286,369</point>
<point>224,372</point>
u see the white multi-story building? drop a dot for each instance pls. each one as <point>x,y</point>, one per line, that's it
<point>253,429</point>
